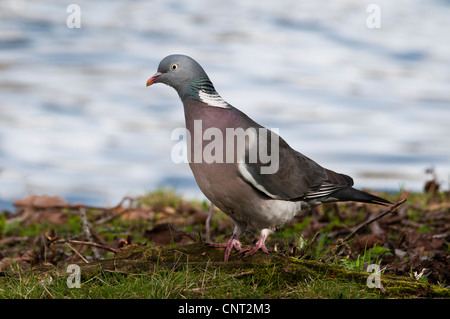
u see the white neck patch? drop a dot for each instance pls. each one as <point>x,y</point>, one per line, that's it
<point>212,99</point>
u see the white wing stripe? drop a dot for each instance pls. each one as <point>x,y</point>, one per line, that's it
<point>324,190</point>
<point>249,178</point>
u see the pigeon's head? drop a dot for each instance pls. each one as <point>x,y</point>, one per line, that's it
<point>177,71</point>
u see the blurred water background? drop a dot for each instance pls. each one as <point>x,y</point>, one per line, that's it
<point>76,119</point>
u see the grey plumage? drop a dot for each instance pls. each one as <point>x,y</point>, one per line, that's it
<point>251,199</point>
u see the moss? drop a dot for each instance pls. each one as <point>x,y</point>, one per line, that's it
<point>260,268</point>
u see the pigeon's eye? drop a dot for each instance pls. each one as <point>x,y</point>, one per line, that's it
<point>174,67</point>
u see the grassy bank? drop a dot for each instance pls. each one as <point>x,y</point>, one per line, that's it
<point>309,258</point>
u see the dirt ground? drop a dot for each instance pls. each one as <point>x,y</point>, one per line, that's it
<point>46,230</point>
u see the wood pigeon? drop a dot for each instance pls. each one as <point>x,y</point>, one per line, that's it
<point>246,170</point>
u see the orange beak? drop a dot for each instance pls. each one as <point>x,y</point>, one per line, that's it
<point>154,78</point>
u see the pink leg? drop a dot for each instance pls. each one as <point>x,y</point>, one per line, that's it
<point>260,244</point>
<point>233,242</point>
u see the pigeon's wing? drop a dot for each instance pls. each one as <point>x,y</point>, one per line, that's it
<point>290,175</point>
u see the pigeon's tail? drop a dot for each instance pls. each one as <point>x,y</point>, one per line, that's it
<point>352,194</point>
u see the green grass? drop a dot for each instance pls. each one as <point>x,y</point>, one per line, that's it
<point>186,282</point>
<point>199,281</point>
<point>370,256</point>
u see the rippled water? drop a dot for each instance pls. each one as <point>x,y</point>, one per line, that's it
<point>77,120</point>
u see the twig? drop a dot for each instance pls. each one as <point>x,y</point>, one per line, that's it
<point>77,252</point>
<point>77,206</point>
<point>123,211</point>
<point>111,217</point>
<point>88,243</point>
<point>365,224</point>
<point>87,232</point>
<point>208,220</point>
<point>94,245</point>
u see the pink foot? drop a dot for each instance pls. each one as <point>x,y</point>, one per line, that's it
<point>233,242</point>
<point>260,244</point>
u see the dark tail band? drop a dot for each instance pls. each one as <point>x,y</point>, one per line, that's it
<point>352,194</point>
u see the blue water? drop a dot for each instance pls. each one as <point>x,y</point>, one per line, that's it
<point>76,119</point>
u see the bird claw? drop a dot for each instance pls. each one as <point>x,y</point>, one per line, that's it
<point>260,244</point>
<point>233,242</point>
